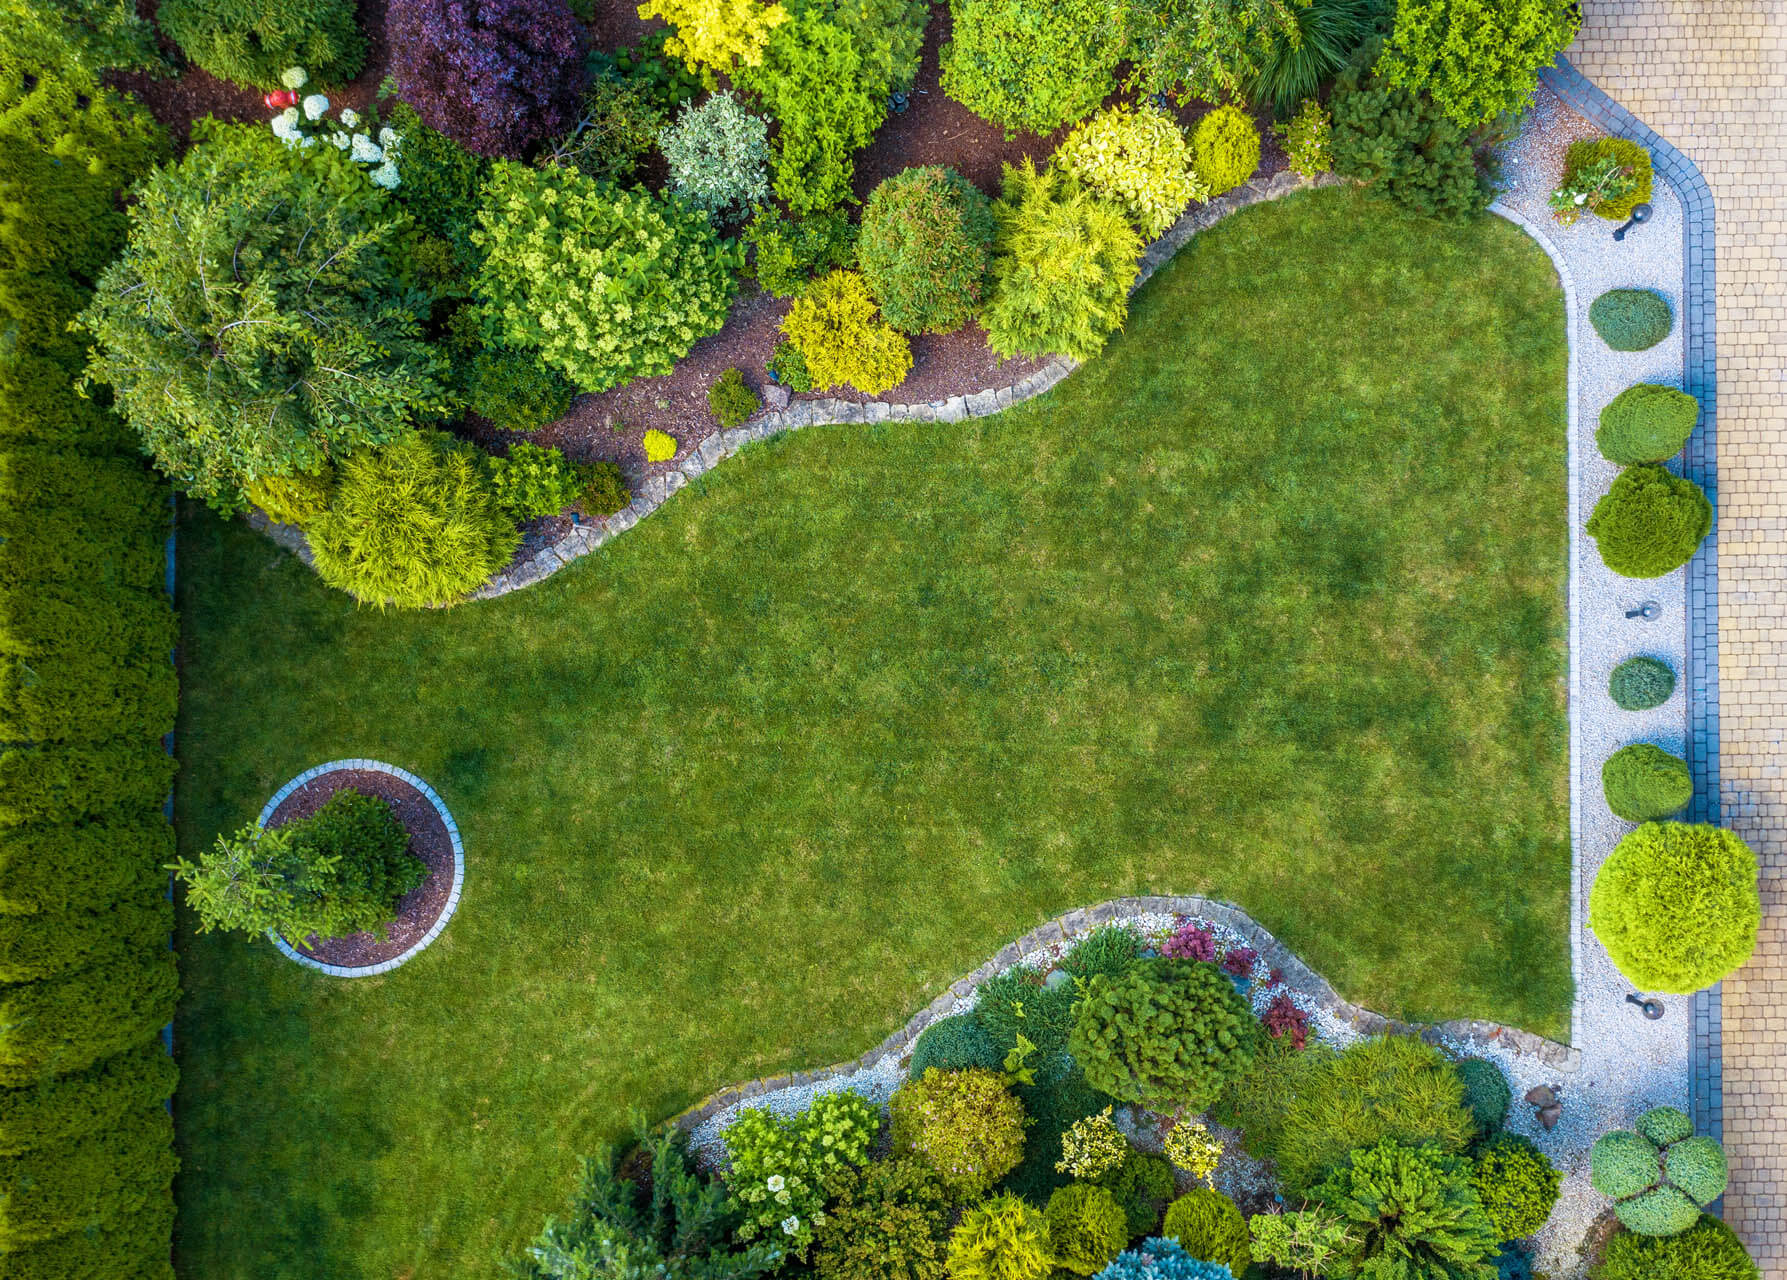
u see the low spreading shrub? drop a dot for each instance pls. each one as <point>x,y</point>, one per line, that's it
<point>924,245</point>
<point>1634,164</point>
<point>719,157</point>
<point>1306,139</point>
<point>1143,1184</point>
<point>1643,783</point>
<point>784,1168</point>
<point>1708,1250</point>
<point>1402,146</point>
<point>1136,157</point>
<point>953,1043</point>
<point>295,499</point>
<point>1640,683</point>
<point>1209,1226</point>
<point>1478,59</point>
<point>789,253</point>
<point>1658,1173</point>
<point>730,400</point>
<point>1161,1259</point>
<point>1001,1239</point>
<point>1650,522</point>
<point>1646,423</point>
<point>1631,319</point>
<point>1411,1203</point>
<point>1517,1184</point>
<point>1165,1033</point>
<point>252,41</point>
<point>891,1223</point>
<point>842,338</point>
<point>532,481</point>
<point>1031,68</point>
<point>1225,148</point>
<point>966,1125</point>
<point>1092,1146</point>
<point>414,524</point>
<point>1676,905</point>
<point>1486,1094</point>
<point>1087,1228</point>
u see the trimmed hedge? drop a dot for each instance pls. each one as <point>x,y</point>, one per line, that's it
<point>45,868</point>
<point>69,1022</point>
<point>48,943</point>
<point>67,783</point>
<point>73,1187</point>
<point>133,1246</point>
<point>73,1105</point>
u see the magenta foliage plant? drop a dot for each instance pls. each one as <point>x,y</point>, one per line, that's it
<point>1192,942</point>
<point>496,76</point>
<point>1283,1017</point>
<point>1239,961</point>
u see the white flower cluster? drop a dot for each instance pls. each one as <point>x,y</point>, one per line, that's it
<point>379,156</point>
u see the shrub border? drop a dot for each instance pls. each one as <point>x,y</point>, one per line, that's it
<point>402,775</point>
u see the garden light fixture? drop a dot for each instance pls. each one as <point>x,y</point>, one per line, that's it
<point>1653,1009</point>
<point>1640,213</point>
<point>1650,611</point>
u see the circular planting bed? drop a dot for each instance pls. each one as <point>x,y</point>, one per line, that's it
<point>434,838</point>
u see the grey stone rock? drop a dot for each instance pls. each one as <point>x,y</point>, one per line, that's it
<point>775,397</point>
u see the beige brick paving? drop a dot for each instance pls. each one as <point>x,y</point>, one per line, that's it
<point>1711,77</point>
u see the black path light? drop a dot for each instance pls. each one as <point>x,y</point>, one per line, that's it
<point>1653,1009</point>
<point>1640,213</point>
<point>1650,611</point>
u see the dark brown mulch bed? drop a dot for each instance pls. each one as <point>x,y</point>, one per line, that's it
<point>416,911</point>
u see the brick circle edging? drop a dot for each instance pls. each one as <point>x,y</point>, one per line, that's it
<point>1563,1058</point>
<point>440,807</point>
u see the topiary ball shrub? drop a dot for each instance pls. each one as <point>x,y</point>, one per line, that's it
<point>1165,1033</point>
<point>1517,1184</point>
<point>1087,1227</point>
<point>1000,1239</point>
<point>1707,1250</point>
<point>1646,423</point>
<point>1650,523</point>
<point>1225,148</point>
<point>891,1223</point>
<point>1643,783</point>
<point>953,1043</point>
<point>659,446</point>
<point>1638,684</point>
<point>1658,1173</point>
<point>1210,1227</point>
<point>252,41</point>
<point>414,524</point>
<point>925,244</point>
<point>1676,906</point>
<point>1631,319</point>
<point>1162,1259</point>
<point>966,1125</point>
<point>1486,1094</point>
<point>1630,156</point>
<point>1143,1184</point>
<point>1664,1125</point>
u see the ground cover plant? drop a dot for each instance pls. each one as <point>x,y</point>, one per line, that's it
<point>900,692</point>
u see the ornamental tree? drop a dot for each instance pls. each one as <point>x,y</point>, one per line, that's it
<point>1477,59</point>
<point>257,322</point>
<point>496,76</point>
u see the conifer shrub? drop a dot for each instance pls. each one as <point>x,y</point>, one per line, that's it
<point>1209,1226</point>
<point>119,1170</point>
<point>120,858</point>
<point>84,663</point>
<point>1640,683</point>
<point>1110,948</point>
<point>1143,1185</point>
<point>1402,146</point>
<point>48,943</point>
<point>1676,905</point>
<point>730,400</point>
<point>1708,1250</point>
<point>137,1240</point>
<point>1001,1239</point>
<point>1643,783</point>
<point>1225,148</point>
<point>1031,68</point>
<point>890,1223</point>
<point>1650,522</point>
<point>1486,1094</point>
<point>1087,1227</point>
<point>69,1022</point>
<point>1646,423</point>
<point>659,446</point>
<point>1136,157</point>
<point>951,1044</point>
<point>926,238</point>
<point>841,336</point>
<point>1517,1184</point>
<point>1631,319</point>
<point>1059,1099</point>
<point>1161,1259</point>
<point>512,387</point>
<point>966,1125</point>
<point>1018,1002</point>
<point>75,782</point>
<point>251,41</point>
<point>62,1108</point>
<point>1412,1203</point>
<point>294,499</point>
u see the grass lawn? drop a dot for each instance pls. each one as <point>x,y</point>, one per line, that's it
<point>1266,603</point>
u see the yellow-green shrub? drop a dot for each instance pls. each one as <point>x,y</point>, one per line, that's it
<point>295,499</point>
<point>967,1125</point>
<point>836,329</point>
<point>1137,157</point>
<point>1226,147</point>
<point>1001,1239</point>
<point>717,35</point>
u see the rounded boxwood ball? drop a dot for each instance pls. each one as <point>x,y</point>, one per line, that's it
<point>1623,1163</point>
<point>1517,1184</point>
<point>1661,1211</point>
<point>1631,319</point>
<point>1664,1125</point>
<point>1210,1227</point>
<point>1650,523</point>
<point>1646,423</point>
<point>1643,783</point>
<point>1638,684</point>
<point>1697,1166</point>
<point>1676,906</point>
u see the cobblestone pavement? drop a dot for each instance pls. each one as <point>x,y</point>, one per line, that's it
<point>1711,77</point>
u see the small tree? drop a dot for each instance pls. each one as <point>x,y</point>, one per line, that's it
<point>1478,59</point>
<point>1415,1214</point>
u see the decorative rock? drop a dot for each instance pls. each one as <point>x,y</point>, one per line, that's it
<point>775,397</point>
<point>1549,1115</point>
<point>1542,1096</point>
<point>1056,979</point>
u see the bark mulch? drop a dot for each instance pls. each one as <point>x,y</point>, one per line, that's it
<point>416,911</point>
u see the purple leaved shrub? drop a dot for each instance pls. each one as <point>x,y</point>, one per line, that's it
<point>1192,942</point>
<point>496,76</point>
<point>1239,961</point>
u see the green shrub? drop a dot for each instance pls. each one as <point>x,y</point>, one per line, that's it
<point>1623,1163</point>
<point>617,125</point>
<point>925,241</point>
<point>1028,67</point>
<point>1087,1228</point>
<point>842,338</point>
<point>1659,1175</point>
<point>1059,1099</point>
<point>295,499</point>
<point>607,285</point>
<point>783,1167</point>
<point>319,350</point>
<point>1225,148</point>
<point>1631,157</point>
<point>251,42</point>
<point>967,1125</point>
<point>102,1096</point>
<point>953,1043</point>
<point>441,181</point>
<point>132,1244</point>
<point>84,663</point>
<point>122,506</point>
<point>67,1023</point>
<point>1664,1125</point>
<point>1708,1250</point>
<point>1110,948</point>
<point>1401,145</point>
<point>121,859</point>
<point>511,387</point>
<point>1631,319</point>
<point>533,481</point>
<point>1697,1166</point>
<point>1478,59</point>
<point>1208,49</point>
<point>1306,139</point>
<point>1646,423</point>
<point>1486,1094</point>
<point>414,524</point>
<point>1661,1211</point>
<point>1164,1033</point>
<point>1062,266</point>
<point>1209,1227</point>
<point>1517,1184</point>
<point>1650,522</point>
<point>1000,1239</point>
<point>48,943</point>
<point>1411,1203</point>
<point>719,157</point>
<point>888,35</point>
<point>1143,1184</point>
<point>120,1170</point>
<point>1017,1002</point>
<point>891,1223</point>
<point>1307,1241</point>
<point>78,40</point>
<point>789,253</point>
<point>1136,157</point>
<point>70,783</point>
<point>730,400</point>
<point>789,367</point>
<point>1643,783</point>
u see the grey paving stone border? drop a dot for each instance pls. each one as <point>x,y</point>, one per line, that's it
<point>440,807</point>
<point>1085,919</point>
<point>1700,463</point>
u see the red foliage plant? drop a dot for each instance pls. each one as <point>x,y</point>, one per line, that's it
<point>1192,942</point>
<point>1284,1018</point>
<point>1239,961</point>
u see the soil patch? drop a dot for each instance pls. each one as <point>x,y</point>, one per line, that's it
<point>429,840</point>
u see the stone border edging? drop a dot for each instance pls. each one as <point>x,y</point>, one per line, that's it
<point>1563,1058</point>
<point>434,930</point>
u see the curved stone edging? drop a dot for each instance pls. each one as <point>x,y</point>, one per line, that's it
<point>1075,924</point>
<point>440,807</point>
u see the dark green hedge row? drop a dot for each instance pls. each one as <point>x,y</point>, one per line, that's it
<point>87,978</point>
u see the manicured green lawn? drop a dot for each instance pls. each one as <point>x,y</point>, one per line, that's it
<point>1267,603</point>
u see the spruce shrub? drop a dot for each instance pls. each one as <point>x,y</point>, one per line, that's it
<point>251,41</point>
<point>966,1125</point>
<point>1516,1183</point>
<point>1630,156</point>
<point>69,1022</point>
<point>953,1043</point>
<point>1164,1033</point>
<point>1017,1002</point>
<point>1631,319</point>
<point>1136,157</point>
<point>122,1169</point>
<point>1646,423</point>
<point>1209,1226</point>
<point>890,1223</point>
<point>414,524</point>
<point>838,332</point>
<point>1031,68</point>
<point>1638,684</point>
<point>1225,148</point>
<point>925,242</point>
<point>62,1108</point>
<point>1161,1259</point>
<point>1087,1228</point>
<point>1000,1239</point>
<point>1486,1094</point>
<point>1708,1250</point>
<point>730,401</point>
<point>1402,146</point>
<point>1643,783</point>
<point>1676,906</point>
<point>1411,1203</point>
<point>1650,522</point>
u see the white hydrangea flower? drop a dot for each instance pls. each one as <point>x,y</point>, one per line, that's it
<point>384,175</point>
<point>285,130</point>
<point>288,117</point>
<point>341,140</point>
<point>366,151</point>
<point>775,1182</point>
<point>314,106</point>
<point>350,117</point>
<point>790,1225</point>
<point>388,139</point>
<point>305,140</point>
<point>294,78</point>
